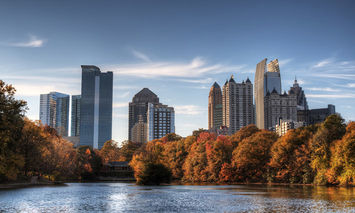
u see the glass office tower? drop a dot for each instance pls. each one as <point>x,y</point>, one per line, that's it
<point>95,107</point>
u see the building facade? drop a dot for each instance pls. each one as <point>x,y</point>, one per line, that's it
<point>139,131</point>
<point>285,125</point>
<point>158,119</point>
<point>279,107</point>
<point>267,81</point>
<point>75,115</point>
<point>314,116</point>
<point>54,111</point>
<point>161,121</point>
<point>259,93</point>
<point>215,115</point>
<point>301,97</point>
<point>95,106</point>
<point>237,104</point>
<point>139,107</point>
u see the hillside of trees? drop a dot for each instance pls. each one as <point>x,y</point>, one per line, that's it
<point>322,154</point>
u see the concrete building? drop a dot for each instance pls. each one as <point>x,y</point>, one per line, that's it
<point>75,115</point>
<point>279,107</point>
<point>237,101</point>
<point>95,106</point>
<point>139,131</point>
<point>161,121</point>
<point>315,116</point>
<point>54,111</point>
<point>215,115</point>
<point>285,125</point>
<point>158,119</point>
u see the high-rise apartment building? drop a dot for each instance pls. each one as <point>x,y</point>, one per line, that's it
<point>145,110</point>
<point>95,106</point>
<point>160,120</point>
<point>237,101</point>
<point>314,116</point>
<point>75,115</point>
<point>54,111</point>
<point>215,115</point>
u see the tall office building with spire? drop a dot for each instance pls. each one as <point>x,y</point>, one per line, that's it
<point>237,101</point>
<point>215,115</point>
<point>95,106</point>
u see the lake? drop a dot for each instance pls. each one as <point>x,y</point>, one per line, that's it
<point>128,197</point>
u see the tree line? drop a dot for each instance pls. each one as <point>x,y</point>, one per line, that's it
<point>322,154</point>
<point>28,148</point>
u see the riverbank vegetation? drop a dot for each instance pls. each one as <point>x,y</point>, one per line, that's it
<point>322,154</point>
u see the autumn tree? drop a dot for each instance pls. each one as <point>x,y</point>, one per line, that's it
<point>332,129</point>
<point>243,133</point>
<point>174,155</point>
<point>11,124</point>
<point>110,151</point>
<point>127,150</point>
<point>251,156</point>
<point>290,157</point>
<point>342,169</point>
<point>196,162</point>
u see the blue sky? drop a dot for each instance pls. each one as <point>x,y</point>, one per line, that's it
<point>178,49</point>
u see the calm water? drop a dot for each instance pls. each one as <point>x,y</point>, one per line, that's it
<point>127,197</point>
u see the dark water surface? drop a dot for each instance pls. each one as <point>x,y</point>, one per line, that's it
<point>127,197</point>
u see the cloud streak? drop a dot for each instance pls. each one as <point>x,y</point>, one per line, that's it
<point>188,110</point>
<point>33,41</point>
<point>141,56</point>
<point>197,67</point>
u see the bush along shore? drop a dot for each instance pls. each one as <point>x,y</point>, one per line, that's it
<point>322,154</point>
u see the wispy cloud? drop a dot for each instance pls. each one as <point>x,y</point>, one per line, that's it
<point>141,56</point>
<point>189,109</point>
<point>325,89</point>
<point>351,85</point>
<point>332,96</point>
<point>33,41</point>
<point>121,95</point>
<point>197,67</point>
<point>323,63</point>
<point>199,81</point>
<point>285,61</point>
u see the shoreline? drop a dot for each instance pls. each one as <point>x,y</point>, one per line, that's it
<point>28,184</point>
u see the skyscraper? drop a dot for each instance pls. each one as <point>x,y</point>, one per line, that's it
<point>161,121</point>
<point>95,106</point>
<point>237,104</point>
<point>259,88</point>
<point>215,114</point>
<point>54,111</point>
<point>75,115</point>
<point>266,80</point>
<point>139,107</point>
<point>145,111</point>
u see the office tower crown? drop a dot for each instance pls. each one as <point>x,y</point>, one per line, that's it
<point>145,95</point>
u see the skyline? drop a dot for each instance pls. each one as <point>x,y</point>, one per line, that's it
<point>195,45</point>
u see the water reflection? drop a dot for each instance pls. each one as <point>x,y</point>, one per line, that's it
<point>126,197</point>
